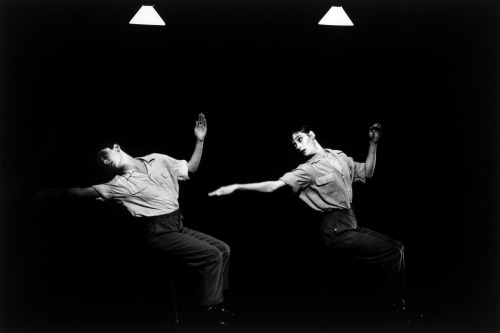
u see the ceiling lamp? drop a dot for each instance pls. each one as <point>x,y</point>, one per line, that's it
<point>336,16</point>
<point>147,15</point>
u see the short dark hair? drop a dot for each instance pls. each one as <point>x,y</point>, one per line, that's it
<point>302,128</point>
<point>299,129</point>
<point>101,153</point>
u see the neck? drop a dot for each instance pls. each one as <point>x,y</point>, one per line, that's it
<point>131,164</point>
<point>318,150</point>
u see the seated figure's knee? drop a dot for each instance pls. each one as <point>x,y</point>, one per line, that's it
<point>225,250</point>
<point>215,256</point>
<point>401,249</point>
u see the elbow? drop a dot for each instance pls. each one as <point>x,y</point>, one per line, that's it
<point>192,168</point>
<point>273,186</point>
<point>369,171</point>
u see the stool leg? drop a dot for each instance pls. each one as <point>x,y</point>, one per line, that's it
<point>174,297</point>
<point>322,299</point>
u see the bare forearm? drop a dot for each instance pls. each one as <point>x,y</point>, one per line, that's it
<point>195,160</point>
<point>66,193</point>
<point>268,186</point>
<point>79,192</point>
<point>371,159</point>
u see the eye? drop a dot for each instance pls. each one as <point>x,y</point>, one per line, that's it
<point>103,155</point>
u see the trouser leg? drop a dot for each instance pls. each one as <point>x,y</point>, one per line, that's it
<point>373,248</point>
<point>207,254</point>
<point>223,248</point>
<point>392,261</point>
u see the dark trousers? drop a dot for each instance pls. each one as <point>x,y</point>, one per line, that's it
<point>340,231</point>
<point>207,254</point>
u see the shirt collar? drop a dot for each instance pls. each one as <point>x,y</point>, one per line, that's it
<point>127,174</point>
<point>319,157</point>
<point>149,160</point>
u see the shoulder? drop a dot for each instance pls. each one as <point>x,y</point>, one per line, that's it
<point>119,180</point>
<point>304,169</point>
<point>304,166</point>
<point>159,159</point>
<point>334,151</point>
<point>337,153</point>
<point>152,156</point>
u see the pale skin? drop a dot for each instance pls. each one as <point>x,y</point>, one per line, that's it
<point>119,161</point>
<point>308,146</point>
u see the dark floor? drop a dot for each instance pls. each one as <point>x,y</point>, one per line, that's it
<point>278,308</point>
<point>118,291</point>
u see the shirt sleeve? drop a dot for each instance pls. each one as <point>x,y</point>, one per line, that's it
<point>358,170</point>
<point>298,179</point>
<point>178,167</point>
<point>113,189</point>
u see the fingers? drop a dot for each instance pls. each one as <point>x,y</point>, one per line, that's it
<point>224,190</point>
<point>376,127</point>
<point>201,120</point>
<point>217,192</point>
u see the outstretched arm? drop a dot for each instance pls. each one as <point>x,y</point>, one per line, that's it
<point>200,130</point>
<point>70,192</point>
<point>374,134</point>
<point>269,186</point>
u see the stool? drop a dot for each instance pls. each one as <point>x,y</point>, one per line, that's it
<point>353,281</point>
<point>155,267</point>
<point>174,296</point>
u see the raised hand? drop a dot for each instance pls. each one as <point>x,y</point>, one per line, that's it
<point>375,132</point>
<point>224,190</point>
<point>200,130</point>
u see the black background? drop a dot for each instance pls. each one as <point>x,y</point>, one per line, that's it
<point>75,76</point>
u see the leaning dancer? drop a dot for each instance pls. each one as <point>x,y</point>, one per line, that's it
<point>148,187</point>
<point>324,183</point>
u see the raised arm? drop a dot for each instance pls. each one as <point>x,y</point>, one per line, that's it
<point>269,186</point>
<point>374,133</point>
<point>200,130</point>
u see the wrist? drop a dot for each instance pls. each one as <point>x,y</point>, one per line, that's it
<point>200,141</point>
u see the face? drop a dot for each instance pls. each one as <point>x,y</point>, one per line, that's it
<point>304,143</point>
<point>111,157</point>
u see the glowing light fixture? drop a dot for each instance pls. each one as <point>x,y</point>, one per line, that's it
<point>147,15</point>
<point>336,16</point>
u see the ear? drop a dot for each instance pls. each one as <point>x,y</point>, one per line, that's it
<point>116,147</point>
<point>311,135</point>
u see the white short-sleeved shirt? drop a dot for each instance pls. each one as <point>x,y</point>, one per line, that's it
<point>325,182</point>
<point>148,194</point>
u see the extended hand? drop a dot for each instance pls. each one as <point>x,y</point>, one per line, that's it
<point>45,195</point>
<point>200,130</point>
<point>224,190</point>
<point>375,132</point>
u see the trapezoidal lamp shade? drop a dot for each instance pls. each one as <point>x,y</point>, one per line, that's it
<point>147,15</point>
<point>336,16</point>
